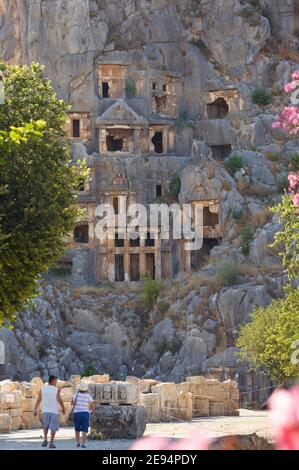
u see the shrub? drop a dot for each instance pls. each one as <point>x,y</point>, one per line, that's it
<point>150,292</point>
<point>130,88</point>
<point>261,97</point>
<point>228,274</point>
<point>237,214</point>
<point>269,341</point>
<point>163,307</point>
<point>283,184</point>
<point>175,186</point>
<point>227,186</point>
<point>89,371</point>
<point>233,164</point>
<point>246,236</point>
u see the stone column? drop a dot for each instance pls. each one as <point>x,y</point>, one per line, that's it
<point>127,267</point>
<point>158,260</point>
<point>188,261</point>
<point>142,259</point>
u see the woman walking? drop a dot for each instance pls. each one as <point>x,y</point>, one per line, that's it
<point>82,404</point>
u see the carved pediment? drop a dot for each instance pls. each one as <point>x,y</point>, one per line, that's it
<point>121,113</point>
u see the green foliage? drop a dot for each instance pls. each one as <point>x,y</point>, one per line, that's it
<point>283,184</point>
<point>89,371</point>
<point>237,214</point>
<point>175,186</point>
<point>269,340</point>
<point>37,201</point>
<point>228,274</point>
<point>130,88</point>
<point>246,236</point>
<point>261,97</point>
<point>150,292</point>
<point>287,240</point>
<point>294,163</point>
<point>233,164</point>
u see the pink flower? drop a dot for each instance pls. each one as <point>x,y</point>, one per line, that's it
<point>199,441</point>
<point>284,405</point>
<point>296,199</point>
<point>290,87</point>
<point>295,75</point>
<point>294,181</point>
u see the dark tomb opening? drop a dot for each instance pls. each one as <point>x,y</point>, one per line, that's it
<point>157,140</point>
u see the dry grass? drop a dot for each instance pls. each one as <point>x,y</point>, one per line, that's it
<point>255,190</point>
<point>227,186</point>
<point>261,218</point>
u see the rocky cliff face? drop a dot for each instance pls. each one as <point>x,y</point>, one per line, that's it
<point>214,44</point>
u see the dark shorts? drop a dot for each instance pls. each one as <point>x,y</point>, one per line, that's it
<point>50,421</point>
<point>81,422</point>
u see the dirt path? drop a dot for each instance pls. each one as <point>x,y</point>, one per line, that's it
<point>249,422</point>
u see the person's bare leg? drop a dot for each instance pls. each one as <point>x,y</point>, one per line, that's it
<point>46,431</point>
<point>53,434</point>
<point>78,437</point>
<point>84,437</point>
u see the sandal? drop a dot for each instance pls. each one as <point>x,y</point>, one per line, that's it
<point>45,443</point>
<point>78,445</point>
<point>52,446</point>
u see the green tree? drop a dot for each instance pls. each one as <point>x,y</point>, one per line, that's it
<point>287,240</point>
<point>269,341</point>
<point>37,201</point>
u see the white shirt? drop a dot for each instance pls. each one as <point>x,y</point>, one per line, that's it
<point>49,400</point>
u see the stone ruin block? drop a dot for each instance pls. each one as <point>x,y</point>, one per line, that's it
<point>75,380</point>
<point>10,400</point>
<point>151,402</point>
<point>28,404</point>
<point>133,380</point>
<point>30,421</point>
<point>145,385</point>
<point>15,413</point>
<point>97,379</point>
<point>67,394</point>
<point>173,404</point>
<point>16,423</point>
<point>185,406</point>
<point>7,386</point>
<point>119,422</point>
<point>201,406</point>
<point>217,408</point>
<point>196,379</point>
<point>5,424</point>
<point>117,393</point>
<point>30,390</point>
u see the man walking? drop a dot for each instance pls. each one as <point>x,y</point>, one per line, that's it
<point>50,399</point>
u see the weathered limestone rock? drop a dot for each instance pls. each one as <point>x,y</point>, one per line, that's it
<point>151,402</point>
<point>201,406</point>
<point>16,423</point>
<point>119,393</point>
<point>10,400</point>
<point>119,422</point>
<point>30,421</point>
<point>216,408</point>
<point>7,386</point>
<point>98,379</point>
<point>67,394</point>
<point>5,424</point>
